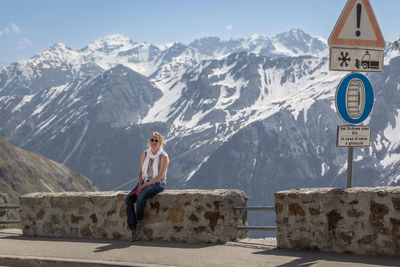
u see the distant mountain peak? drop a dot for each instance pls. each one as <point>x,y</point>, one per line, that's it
<point>294,33</point>
<point>207,39</point>
<point>114,41</point>
<point>60,46</point>
<point>165,46</point>
<point>256,36</point>
<point>116,38</point>
<point>207,45</point>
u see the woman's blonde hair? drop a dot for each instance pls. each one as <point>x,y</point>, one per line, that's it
<point>160,138</point>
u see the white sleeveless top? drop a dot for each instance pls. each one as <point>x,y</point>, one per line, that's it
<point>149,170</point>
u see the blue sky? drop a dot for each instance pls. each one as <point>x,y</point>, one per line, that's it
<point>28,27</point>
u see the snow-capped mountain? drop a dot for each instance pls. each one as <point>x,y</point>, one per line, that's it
<point>61,64</point>
<point>292,43</point>
<point>62,121</point>
<point>254,113</point>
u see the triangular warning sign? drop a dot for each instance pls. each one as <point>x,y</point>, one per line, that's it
<point>357,27</point>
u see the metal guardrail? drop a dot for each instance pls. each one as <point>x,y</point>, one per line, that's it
<point>257,228</point>
<point>10,207</point>
<point>10,222</point>
<point>271,208</point>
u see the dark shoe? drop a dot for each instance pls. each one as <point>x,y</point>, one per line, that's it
<point>132,226</point>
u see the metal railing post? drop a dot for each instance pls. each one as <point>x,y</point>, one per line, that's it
<point>9,208</point>
<point>256,228</point>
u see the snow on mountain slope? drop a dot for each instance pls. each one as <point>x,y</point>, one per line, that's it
<point>392,51</point>
<point>119,96</point>
<point>170,77</point>
<point>259,88</point>
<point>61,64</point>
<point>243,88</point>
<point>294,42</point>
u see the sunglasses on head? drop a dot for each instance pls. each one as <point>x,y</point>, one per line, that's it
<point>154,140</point>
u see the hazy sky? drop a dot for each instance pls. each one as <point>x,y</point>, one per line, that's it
<point>28,27</point>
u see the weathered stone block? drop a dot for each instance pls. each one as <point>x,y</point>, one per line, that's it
<point>173,215</point>
<point>4,214</point>
<point>194,216</point>
<point>358,220</point>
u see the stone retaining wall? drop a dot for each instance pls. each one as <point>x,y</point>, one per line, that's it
<point>173,215</point>
<point>358,220</point>
<point>4,214</point>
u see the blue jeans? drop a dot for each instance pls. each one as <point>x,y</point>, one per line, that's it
<point>141,199</point>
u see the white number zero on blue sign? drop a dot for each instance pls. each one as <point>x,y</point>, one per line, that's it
<point>354,98</point>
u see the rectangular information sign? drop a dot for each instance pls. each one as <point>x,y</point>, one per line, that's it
<point>356,59</point>
<point>353,136</point>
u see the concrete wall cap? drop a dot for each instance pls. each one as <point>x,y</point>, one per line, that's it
<point>378,189</point>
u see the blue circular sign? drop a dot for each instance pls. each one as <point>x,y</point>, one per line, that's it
<point>354,98</point>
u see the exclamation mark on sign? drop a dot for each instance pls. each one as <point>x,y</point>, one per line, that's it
<point>359,7</point>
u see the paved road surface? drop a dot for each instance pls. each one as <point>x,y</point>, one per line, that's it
<point>17,250</point>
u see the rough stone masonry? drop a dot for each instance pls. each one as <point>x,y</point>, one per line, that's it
<point>173,215</point>
<point>363,221</point>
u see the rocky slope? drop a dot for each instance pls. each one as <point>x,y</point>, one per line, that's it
<point>23,172</point>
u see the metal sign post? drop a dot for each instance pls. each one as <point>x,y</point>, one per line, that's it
<point>350,167</point>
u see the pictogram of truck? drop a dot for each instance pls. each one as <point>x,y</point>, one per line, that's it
<point>366,62</point>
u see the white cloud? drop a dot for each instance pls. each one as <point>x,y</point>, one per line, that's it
<point>23,43</point>
<point>12,28</point>
<point>229,27</point>
<point>15,28</point>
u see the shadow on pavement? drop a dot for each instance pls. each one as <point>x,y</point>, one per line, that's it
<point>105,244</point>
<point>252,245</point>
<point>168,244</point>
<point>56,239</point>
<point>308,258</point>
<point>112,246</point>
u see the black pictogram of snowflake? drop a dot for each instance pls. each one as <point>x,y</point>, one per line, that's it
<point>344,59</point>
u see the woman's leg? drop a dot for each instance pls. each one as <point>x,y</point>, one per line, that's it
<point>130,209</point>
<point>143,196</point>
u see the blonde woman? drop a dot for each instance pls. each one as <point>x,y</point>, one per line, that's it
<point>152,179</point>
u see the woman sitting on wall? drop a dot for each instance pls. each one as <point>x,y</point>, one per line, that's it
<point>152,179</point>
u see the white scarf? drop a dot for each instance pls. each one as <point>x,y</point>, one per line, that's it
<point>156,158</point>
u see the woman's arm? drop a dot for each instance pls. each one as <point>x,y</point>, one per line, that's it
<point>161,173</point>
<point>140,170</point>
